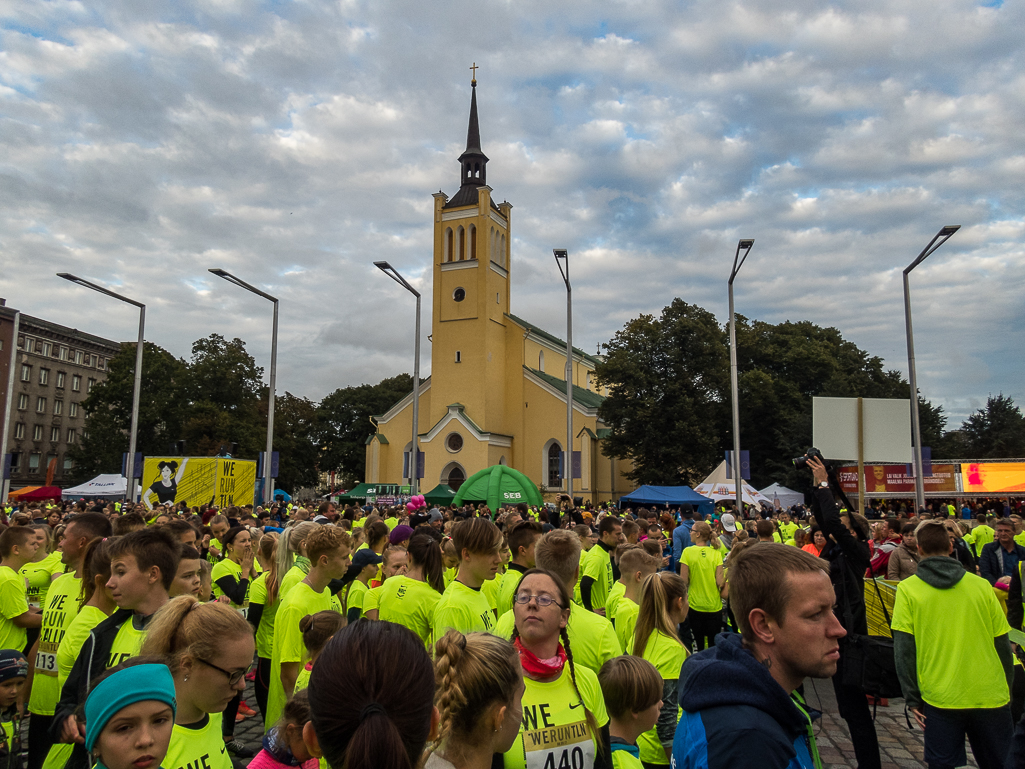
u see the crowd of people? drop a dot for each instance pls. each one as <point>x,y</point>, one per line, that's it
<point>466,638</point>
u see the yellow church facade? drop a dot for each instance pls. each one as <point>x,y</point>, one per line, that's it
<point>497,392</point>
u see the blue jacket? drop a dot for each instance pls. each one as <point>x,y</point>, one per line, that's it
<point>735,715</point>
<point>681,539</point>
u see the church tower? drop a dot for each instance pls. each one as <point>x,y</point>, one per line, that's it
<point>471,292</point>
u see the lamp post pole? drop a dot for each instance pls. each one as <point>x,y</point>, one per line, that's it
<point>562,256</point>
<point>132,440</point>
<point>268,481</point>
<point>942,236</point>
<point>738,262</point>
<point>414,456</point>
<point>5,433</point>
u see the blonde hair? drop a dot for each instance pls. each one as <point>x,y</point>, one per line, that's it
<point>704,531</point>
<point>558,551</point>
<point>472,672</point>
<point>268,549</point>
<point>324,540</point>
<point>659,592</point>
<point>288,547</point>
<point>184,627</point>
<point>629,684</point>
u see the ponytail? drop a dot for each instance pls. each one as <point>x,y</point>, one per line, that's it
<point>267,548</point>
<point>425,553</point>
<point>318,628</point>
<point>660,590</point>
<point>184,627</point>
<point>95,561</point>
<point>288,546</point>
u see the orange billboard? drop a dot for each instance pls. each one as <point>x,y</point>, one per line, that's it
<point>993,477</point>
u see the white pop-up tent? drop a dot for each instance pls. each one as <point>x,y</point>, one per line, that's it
<point>787,497</point>
<point>718,487</point>
<point>109,486</point>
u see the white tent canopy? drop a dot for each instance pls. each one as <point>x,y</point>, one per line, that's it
<point>787,497</point>
<point>718,487</point>
<point>109,486</point>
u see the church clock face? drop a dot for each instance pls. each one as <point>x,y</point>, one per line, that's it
<point>459,295</point>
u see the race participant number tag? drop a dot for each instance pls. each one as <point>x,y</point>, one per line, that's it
<point>46,663</point>
<point>568,746</point>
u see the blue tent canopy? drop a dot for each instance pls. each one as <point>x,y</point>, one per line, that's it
<point>672,496</point>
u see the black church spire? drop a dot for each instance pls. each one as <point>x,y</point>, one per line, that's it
<point>473,162</point>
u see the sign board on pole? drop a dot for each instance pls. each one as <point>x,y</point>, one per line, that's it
<point>745,465</point>
<point>887,428</point>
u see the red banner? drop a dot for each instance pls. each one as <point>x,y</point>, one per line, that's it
<point>895,480</point>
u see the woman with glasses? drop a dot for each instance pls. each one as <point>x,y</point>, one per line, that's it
<point>209,648</point>
<point>564,718</point>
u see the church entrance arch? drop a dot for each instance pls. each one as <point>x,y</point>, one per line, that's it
<point>453,475</point>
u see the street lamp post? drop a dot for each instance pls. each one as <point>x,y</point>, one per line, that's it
<point>268,481</point>
<point>561,256</point>
<point>5,430</point>
<point>738,262</point>
<point>942,236</point>
<point>414,457</point>
<point>130,488</point>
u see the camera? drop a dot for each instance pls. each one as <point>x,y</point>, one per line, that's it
<point>802,461</point>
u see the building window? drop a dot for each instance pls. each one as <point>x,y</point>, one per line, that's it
<point>78,357</point>
<point>101,364</point>
<point>588,380</point>
<point>76,382</point>
<point>40,405</point>
<point>63,353</point>
<point>33,463</point>
<point>29,344</point>
<point>68,463</point>
<point>473,242</point>
<point>73,409</point>
<point>459,295</point>
<point>60,378</point>
<point>46,350</point>
<point>554,476</point>
<point>15,461</point>
<point>21,342</point>
<point>26,373</point>
<point>89,386</point>
<point>55,434</point>
<point>37,433</point>
<point>454,442</point>
<point>541,361</point>
<point>72,434</point>
<point>459,356</point>
<point>19,430</point>
<point>92,361</point>
<point>448,244</point>
<point>44,376</point>
<point>58,407</point>
<point>22,401</point>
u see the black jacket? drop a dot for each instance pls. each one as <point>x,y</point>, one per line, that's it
<point>848,558</point>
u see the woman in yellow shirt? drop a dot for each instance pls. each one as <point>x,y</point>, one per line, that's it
<point>701,568</point>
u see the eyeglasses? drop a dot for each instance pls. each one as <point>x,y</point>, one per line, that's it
<point>233,677</point>
<point>542,600</point>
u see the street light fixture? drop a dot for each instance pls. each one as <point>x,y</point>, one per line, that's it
<point>268,481</point>
<point>738,262</point>
<point>132,440</point>
<point>562,256</point>
<point>414,456</point>
<point>942,236</point>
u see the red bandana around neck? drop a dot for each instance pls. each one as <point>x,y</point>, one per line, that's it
<point>537,667</point>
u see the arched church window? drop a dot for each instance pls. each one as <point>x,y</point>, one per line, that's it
<point>460,244</point>
<point>473,242</point>
<point>448,244</point>
<point>554,476</point>
<point>541,361</point>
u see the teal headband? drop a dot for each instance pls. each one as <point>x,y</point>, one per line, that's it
<point>136,683</point>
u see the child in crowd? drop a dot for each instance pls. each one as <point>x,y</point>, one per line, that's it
<point>632,688</point>
<point>283,745</point>
<point>129,717</point>
<point>317,630</point>
<point>13,672</point>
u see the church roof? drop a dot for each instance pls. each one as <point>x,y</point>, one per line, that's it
<point>581,396</point>
<point>473,162</point>
<point>537,330</point>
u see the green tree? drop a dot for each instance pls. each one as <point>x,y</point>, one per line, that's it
<point>669,385</point>
<point>295,440</point>
<point>108,411</point>
<point>344,424</point>
<point>995,432</point>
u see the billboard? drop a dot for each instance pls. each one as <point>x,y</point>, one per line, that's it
<point>886,424</point>
<point>894,479</point>
<point>993,477</point>
<point>198,480</point>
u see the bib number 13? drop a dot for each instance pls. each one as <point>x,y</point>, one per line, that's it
<point>46,663</point>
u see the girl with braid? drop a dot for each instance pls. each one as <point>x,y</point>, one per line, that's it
<point>663,608</point>
<point>564,718</point>
<point>479,699</point>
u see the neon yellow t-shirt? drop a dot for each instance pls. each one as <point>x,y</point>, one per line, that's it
<point>623,760</point>
<point>554,732</point>
<point>197,745</point>
<point>1020,539</point>
<point>667,655</point>
<point>592,638</point>
<point>288,641</point>
<point>702,593</point>
<point>597,565</point>
<point>462,608</point>
<point>788,529</point>
<point>510,583</point>
<point>982,535</point>
<point>371,597</point>
<point>39,576</point>
<point>296,574</point>
<point>127,643</point>
<point>615,594</point>
<point>410,603</point>
<point>449,575</point>
<point>13,603</point>
<point>626,621</point>
<point>391,523</point>
<point>215,559</point>
<point>357,592</point>
<point>265,633</point>
<point>491,588</point>
<point>228,568</point>
<point>303,679</point>
<point>957,663</point>
<point>62,602</point>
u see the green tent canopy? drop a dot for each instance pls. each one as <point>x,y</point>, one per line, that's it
<point>498,485</point>
<point>440,495</point>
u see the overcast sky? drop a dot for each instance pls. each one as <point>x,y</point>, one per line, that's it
<point>294,143</point>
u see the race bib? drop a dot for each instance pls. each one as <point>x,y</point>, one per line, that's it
<point>46,663</point>
<point>559,747</point>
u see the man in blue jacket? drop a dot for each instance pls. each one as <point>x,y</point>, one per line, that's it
<point>740,709</point>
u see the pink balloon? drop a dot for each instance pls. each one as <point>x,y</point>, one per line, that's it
<point>410,507</point>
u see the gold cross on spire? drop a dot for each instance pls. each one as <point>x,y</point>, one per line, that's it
<point>474,68</point>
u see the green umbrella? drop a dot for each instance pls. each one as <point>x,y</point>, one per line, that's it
<point>440,495</point>
<point>498,485</point>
